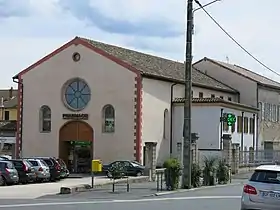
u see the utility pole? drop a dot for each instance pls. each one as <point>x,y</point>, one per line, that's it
<point>187,159</point>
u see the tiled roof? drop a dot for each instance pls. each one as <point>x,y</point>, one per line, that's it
<point>213,101</point>
<point>13,102</point>
<point>150,65</point>
<point>5,93</point>
<point>8,125</point>
<point>247,73</point>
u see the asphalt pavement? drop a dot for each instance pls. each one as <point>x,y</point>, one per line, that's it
<point>225,197</point>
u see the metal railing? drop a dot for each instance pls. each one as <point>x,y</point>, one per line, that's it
<point>260,157</point>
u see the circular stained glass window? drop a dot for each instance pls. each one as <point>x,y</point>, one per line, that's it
<point>77,94</point>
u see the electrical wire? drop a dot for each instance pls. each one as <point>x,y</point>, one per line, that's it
<point>234,40</point>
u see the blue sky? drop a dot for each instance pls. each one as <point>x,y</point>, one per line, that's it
<point>30,29</point>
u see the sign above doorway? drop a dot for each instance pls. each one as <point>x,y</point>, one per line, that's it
<point>75,116</point>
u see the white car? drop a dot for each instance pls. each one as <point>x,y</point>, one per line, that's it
<point>262,192</point>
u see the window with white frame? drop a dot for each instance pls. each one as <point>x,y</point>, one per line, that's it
<point>108,115</point>
<point>278,113</point>
<point>45,119</point>
<point>266,111</point>
<point>274,113</point>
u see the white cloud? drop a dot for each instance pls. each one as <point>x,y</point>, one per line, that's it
<point>25,38</point>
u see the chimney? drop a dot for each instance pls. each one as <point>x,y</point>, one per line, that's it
<point>11,92</point>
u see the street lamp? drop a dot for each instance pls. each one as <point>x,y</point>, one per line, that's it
<point>198,8</point>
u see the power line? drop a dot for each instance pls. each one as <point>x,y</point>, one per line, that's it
<point>234,40</point>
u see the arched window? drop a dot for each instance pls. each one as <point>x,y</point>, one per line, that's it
<point>45,119</point>
<point>165,124</point>
<point>108,115</point>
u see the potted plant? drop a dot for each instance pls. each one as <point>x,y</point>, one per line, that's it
<point>196,175</point>
<point>117,171</point>
<point>209,170</point>
<point>222,172</point>
<point>172,173</point>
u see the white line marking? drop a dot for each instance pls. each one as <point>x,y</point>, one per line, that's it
<point>116,201</point>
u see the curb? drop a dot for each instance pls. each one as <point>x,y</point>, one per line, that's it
<point>87,187</point>
<point>194,189</point>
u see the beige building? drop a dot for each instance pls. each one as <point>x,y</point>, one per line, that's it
<point>93,100</point>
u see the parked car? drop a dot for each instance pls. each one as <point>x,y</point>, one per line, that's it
<point>8,172</point>
<point>131,168</point>
<point>262,191</point>
<point>54,166</point>
<point>5,157</point>
<point>42,169</point>
<point>64,171</point>
<point>25,170</point>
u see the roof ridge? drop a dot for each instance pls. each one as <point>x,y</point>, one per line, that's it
<point>155,56</point>
<point>255,73</point>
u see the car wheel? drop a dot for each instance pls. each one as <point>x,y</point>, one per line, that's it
<point>139,173</point>
<point>2,181</point>
<point>109,174</point>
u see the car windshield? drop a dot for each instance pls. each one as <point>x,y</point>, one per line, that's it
<point>34,162</point>
<point>135,163</point>
<point>266,176</point>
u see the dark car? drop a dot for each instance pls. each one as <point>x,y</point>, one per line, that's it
<point>131,168</point>
<point>64,171</point>
<point>8,173</point>
<point>55,168</point>
<point>25,171</point>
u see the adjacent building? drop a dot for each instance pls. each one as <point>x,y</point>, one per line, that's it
<point>255,90</point>
<point>93,100</point>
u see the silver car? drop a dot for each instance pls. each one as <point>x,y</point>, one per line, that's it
<point>42,170</point>
<point>263,189</point>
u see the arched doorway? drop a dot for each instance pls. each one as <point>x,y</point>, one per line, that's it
<point>76,146</point>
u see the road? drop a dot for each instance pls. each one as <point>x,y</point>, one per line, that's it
<point>227,197</point>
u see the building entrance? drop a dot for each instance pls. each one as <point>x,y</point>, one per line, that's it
<point>76,146</point>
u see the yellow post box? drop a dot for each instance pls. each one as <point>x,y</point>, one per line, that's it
<point>96,166</point>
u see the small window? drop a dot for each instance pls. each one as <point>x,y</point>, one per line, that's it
<point>246,125</point>
<point>221,97</point>
<point>192,94</point>
<point>225,126</point>
<point>200,95</point>
<point>252,125</point>
<point>229,98</point>
<point>108,114</point>
<point>7,115</point>
<point>212,95</point>
<point>233,128</point>
<point>45,119</point>
<point>239,124</point>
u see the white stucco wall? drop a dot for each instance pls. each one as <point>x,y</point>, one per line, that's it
<point>246,87</point>
<point>156,98</point>
<point>109,84</point>
<point>206,122</point>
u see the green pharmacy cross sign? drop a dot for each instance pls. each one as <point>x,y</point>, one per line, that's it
<point>229,118</point>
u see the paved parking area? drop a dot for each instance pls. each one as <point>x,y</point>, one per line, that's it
<point>31,191</point>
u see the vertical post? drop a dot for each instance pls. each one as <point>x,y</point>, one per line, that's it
<point>188,99</point>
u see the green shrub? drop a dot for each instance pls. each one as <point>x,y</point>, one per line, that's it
<point>222,172</point>
<point>209,170</point>
<point>196,175</point>
<point>172,173</point>
<point>117,170</point>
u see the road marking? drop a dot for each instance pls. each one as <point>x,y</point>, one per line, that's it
<point>116,201</point>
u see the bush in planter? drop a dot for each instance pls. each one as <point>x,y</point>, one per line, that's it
<point>117,170</point>
<point>196,175</point>
<point>222,173</point>
<point>172,173</point>
<point>209,170</point>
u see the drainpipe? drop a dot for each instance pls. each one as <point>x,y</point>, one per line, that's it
<point>21,118</point>
<point>171,120</point>
<point>221,130</point>
<point>254,134</point>
<point>258,121</point>
<point>242,132</point>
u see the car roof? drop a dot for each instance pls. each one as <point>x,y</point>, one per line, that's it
<point>268,168</point>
